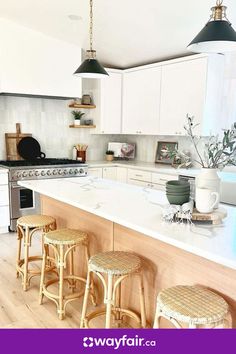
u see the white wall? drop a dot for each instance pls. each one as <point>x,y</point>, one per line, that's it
<point>48,120</point>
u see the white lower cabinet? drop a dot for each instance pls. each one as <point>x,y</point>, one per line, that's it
<point>134,176</point>
<point>4,203</point>
<point>109,172</point>
<point>96,172</point>
<point>121,174</point>
<point>150,180</point>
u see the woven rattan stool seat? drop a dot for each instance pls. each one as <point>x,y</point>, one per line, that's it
<point>192,304</point>
<point>116,263</point>
<point>65,237</point>
<point>63,243</point>
<point>35,221</point>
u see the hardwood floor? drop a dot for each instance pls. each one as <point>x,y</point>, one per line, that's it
<point>19,309</point>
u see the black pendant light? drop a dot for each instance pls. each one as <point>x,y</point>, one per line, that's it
<point>218,36</point>
<point>91,68</point>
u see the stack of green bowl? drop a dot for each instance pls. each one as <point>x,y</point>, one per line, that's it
<point>178,192</point>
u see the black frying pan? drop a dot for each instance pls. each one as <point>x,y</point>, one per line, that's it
<point>29,149</point>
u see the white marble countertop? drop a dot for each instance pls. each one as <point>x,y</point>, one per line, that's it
<point>140,209</point>
<point>227,175</point>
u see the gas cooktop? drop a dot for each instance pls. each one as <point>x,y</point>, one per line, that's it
<point>39,162</point>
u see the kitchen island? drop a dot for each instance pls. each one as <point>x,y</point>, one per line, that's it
<point>125,217</point>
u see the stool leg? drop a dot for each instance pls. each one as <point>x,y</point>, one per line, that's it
<point>192,325</point>
<point>142,302</point>
<point>72,283</point>
<point>61,280</point>
<point>118,305</point>
<point>85,302</point>
<point>92,287</point>
<point>26,256</point>
<point>109,301</point>
<point>19,234</point>
<point>157,318</point>
<point>43,274</point>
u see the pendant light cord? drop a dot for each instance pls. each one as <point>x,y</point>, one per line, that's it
<point>91,25</point>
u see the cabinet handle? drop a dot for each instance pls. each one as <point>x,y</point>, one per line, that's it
<point>138,176</point>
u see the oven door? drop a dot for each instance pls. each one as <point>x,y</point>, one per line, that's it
<point>23,201</point>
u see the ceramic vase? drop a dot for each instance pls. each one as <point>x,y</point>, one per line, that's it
<point>209,179</point>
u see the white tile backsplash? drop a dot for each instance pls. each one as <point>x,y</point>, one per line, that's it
<point>48,120</point>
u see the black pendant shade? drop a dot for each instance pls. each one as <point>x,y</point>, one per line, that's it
<point>91,68</point>
<point>215,37</point>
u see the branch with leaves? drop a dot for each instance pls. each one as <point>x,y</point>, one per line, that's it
<point>218,152</point>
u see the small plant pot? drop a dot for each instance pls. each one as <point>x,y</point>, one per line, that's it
<point>77,122</point>
<point>109,157</point>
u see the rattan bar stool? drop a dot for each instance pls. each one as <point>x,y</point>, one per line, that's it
<point>192,305</point>
<point>63,244</point>
<point>27,226</point>
<point>115,266</point>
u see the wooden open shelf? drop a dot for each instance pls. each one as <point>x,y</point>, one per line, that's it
<point>84,106</point>
<point>82,126</point>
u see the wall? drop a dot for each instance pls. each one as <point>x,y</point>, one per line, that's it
<point>48,120</point>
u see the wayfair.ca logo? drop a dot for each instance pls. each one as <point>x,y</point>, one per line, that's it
<point>116,343</point>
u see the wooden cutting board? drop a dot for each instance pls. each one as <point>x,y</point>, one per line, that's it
<point>12,140</point>
<point>214,218</point>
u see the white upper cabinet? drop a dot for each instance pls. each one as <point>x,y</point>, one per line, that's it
<point>107,96</point>
<point>191,87</point>
<point>32,63</point>
<point>111,89</point>
<point>141,101</point>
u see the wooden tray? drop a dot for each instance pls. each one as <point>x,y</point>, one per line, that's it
<point>215,217</point>
<point>12,140</point>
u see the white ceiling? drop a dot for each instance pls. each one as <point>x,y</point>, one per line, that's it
<point>126,32</point>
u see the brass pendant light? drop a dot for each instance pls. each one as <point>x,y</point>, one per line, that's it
<point>91,68</point>
<point>218,35</point>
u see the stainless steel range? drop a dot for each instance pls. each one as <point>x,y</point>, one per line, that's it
<point>24,201</point>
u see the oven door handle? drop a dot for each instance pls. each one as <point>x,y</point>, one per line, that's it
<point>17,186</point>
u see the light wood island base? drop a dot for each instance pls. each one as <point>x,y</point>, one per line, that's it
<point>163,265</point>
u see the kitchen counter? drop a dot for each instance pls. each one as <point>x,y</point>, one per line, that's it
<point>140,209</point>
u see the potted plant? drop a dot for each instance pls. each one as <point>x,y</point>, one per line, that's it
<point>218,152</point>
<point>109,155</point>
<point>77,117</point>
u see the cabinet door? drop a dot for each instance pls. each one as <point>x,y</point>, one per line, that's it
<point>141,101</point>
<point>183,91</point>
<point>111,89</point>
<point>4,196</point>
<point>109,173</point>
<point>121,174</point>
<point>4,216</point>
<point>96,172</point>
